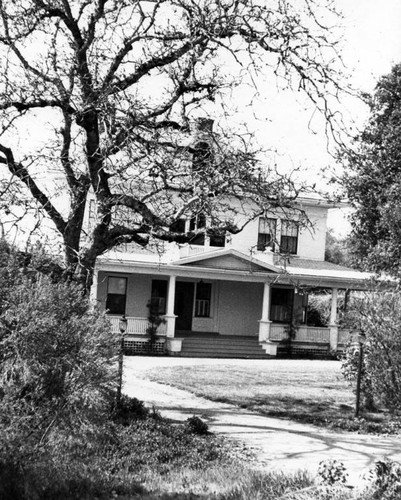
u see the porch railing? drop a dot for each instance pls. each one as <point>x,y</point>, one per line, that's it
<point>135,326</point>
<point>189,250</point>
<point>313,334</point>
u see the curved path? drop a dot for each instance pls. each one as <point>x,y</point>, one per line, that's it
<point>279,444</point>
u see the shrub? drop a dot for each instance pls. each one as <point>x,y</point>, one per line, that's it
<point>319,309</point>
<point>58,371</point>
<point>128,409</point>
<point>332,472</point>
<point>386,478</point>
<point>349,369</point>
<point>378,316</point>
<point>197,426</point>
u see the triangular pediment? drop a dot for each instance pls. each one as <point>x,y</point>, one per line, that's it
<point>229,260</point>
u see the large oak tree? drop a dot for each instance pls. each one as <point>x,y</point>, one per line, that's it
<point>117,84</point>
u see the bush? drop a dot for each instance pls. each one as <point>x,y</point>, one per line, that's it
<point>197,426</point>
<point>332,472</point>
<point>319,309</point>
<point>386,479</point>
<point>58,370</point>
<point>128,409</point>
<point>378,316</point>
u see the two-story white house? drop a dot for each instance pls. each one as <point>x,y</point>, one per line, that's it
<point>245,295</point>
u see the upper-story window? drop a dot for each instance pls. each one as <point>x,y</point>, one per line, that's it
<point>216,239</point>
<point>267,233</point>
<point>178,226</point>
<point>196,223</point>
<point>289,236</point>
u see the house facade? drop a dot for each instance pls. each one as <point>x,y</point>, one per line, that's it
<point>243,294</point>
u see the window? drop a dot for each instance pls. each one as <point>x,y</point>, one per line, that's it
<point>289,237</point>
<point>202,302</point>
<point>116,295</point>
<point>217,239</point>
<point>196,223</point>
<point>267,233</point>
<point>178,226</point>
<point>158,297</point>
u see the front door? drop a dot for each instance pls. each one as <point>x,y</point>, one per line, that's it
<point>183,306</point>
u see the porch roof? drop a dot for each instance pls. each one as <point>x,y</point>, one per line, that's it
<point>230,264</point>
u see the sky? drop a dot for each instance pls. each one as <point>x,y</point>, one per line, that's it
<point>371,46</point>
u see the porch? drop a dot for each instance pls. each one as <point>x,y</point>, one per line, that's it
<point>306,340</point>
<point>229,295</point>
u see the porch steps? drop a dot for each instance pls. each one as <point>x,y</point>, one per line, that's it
<point>227,346</point>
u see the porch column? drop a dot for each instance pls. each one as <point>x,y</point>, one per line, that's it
<point>170,316</point>
<point>333,320</point>
<point>264,322</point>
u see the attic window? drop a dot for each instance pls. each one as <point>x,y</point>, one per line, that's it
<point>267,233</point>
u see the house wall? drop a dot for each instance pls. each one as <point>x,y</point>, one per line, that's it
<point>139,288</point>
<point>236,308</point>
<point>240,308</point>
<point>311,240</point>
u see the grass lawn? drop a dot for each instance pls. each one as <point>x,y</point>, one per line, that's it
<point>312,391</point>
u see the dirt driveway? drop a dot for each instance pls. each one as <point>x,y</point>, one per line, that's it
<point>279,444</point>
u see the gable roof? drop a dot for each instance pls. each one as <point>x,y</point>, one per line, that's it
<point>228,258</point>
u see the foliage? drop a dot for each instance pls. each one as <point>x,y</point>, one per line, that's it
<point>197,425</point>
<point>58,370</point>
<point>128,409</point>
<point>331,472</point>
<point>319,309</point>
<point>349,367</point>
<point>155,320</point>
<point>336,250</point>
<point>372,180</point>
<point>378,316</point>
<point>115,88</point>
<point>386,477</point>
